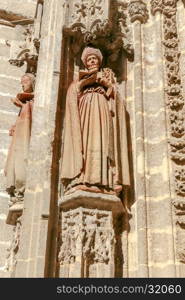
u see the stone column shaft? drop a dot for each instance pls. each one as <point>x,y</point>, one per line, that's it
<point>38,240</point>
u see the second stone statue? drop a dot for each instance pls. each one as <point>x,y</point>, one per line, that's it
<point>15,169</point>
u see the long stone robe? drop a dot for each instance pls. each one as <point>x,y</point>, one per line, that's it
<point>16,163</point>
<point>95,151</point>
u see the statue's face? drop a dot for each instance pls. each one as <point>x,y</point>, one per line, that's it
<point>92,62</point>
<point>26,83</point>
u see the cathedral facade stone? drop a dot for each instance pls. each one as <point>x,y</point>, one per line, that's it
<point>95,180</point>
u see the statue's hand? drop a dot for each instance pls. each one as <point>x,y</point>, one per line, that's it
<point>87,81</point>
<point>17,102</point>
<point>102,80</point>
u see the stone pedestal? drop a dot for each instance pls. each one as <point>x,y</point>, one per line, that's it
<point>15,211</point>
<point>14,218</point>
<point>88,237</point>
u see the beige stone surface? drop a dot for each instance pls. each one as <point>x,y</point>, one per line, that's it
<point>151,236</point>
<point>17,9</point>
<point>9,87</point>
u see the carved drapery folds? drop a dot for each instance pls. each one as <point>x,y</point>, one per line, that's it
<point>176,110</point>
<point>86,22</point>
<point>138,11</point>
<point>87,236</point>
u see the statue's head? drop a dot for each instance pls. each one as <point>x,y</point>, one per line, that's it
<point>92,58</point>
<point>28,82</point>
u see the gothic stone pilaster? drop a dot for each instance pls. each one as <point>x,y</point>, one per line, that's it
<point>176,112</point>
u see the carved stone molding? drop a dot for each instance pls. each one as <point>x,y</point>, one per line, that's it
<point>180,235</point>
<point>91,200</point>
<point>176,112</point>
<point>174,91</point>
<point>180,181</point>
<point>168,7</point>
<point>6,23</point>
<point>138,11</point>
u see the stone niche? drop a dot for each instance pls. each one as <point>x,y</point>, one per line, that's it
<point>102,24</point>
<point>91,224</point>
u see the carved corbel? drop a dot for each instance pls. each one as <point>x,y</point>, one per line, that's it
<point>138,11</point>
<point>26,51</point>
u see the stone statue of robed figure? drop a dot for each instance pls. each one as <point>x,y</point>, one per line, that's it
<point>95,150</point>
<point>16,164</point>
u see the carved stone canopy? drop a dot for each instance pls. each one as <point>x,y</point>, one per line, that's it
<point>87,23</point>
<point>24,50</point>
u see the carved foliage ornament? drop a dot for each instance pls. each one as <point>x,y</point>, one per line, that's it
<point>173,89</point>
<point>87,10</point>
<point>86,233</point>
<point>86,16</point>
<point>168,7</point>
<point>176,111</point>
<point>87,22</point>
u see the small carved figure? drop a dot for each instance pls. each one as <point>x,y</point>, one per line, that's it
<point>95,152</point>
<point>15,169</point>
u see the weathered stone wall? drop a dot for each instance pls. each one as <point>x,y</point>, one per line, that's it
<point>155,240</point>
<point>151,239</point>
<point>9,86</point>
